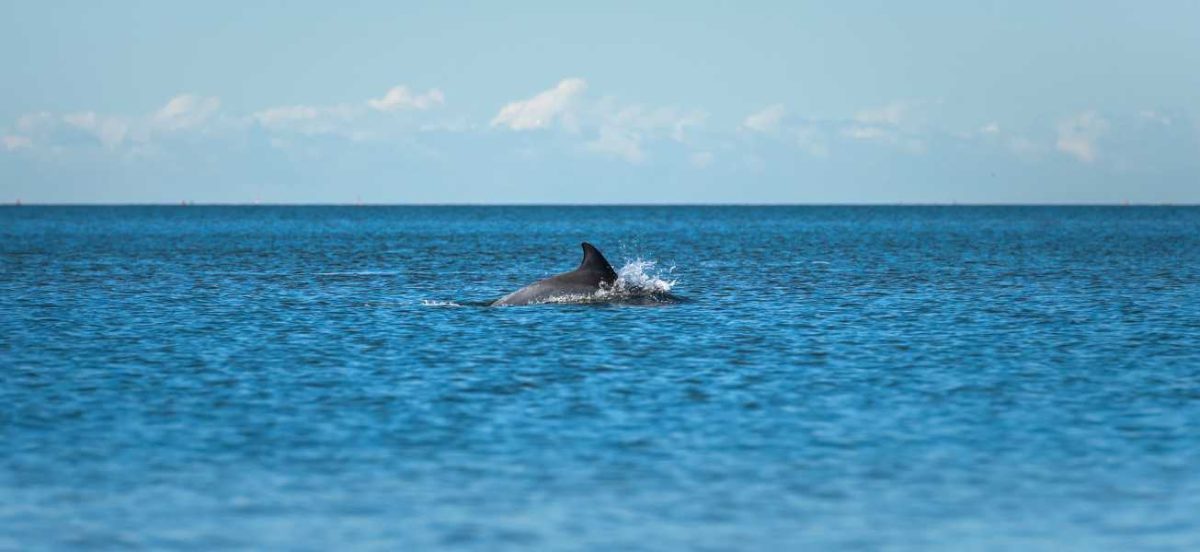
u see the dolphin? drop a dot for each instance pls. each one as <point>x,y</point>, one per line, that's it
<point>592,273</point>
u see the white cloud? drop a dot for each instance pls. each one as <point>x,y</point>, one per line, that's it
<point>663,121</point>
<point>1077,136</point>
<point>866,133</point>
<point>682,122</point>
<point>619,143</point>
<point>992,135</point>
<point>111,131</point>
<point>400,98</point>
<point>615,129</point>
<point>809,137</point>
<point>346,121</point>
<point>353,121</point>
<point>542,110</point>
<point>767,120</point>
<point>886,135</point>
<point>623,130</point>
<point>130,134</point>
<point>280,116</point>
<point>186,111</point>
<point>891,124</point>
<point>14,142</point>
<point>892,114</point>
<point>31,123</point>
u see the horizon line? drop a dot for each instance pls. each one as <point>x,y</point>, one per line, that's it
<point>20,203</point>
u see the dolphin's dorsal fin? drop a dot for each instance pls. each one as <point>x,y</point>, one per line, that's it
<point>593,260</point>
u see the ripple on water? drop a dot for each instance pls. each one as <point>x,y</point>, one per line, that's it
<point>835,378</point>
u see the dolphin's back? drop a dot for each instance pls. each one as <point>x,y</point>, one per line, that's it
<point>545,289</point>
<point>592,273</point>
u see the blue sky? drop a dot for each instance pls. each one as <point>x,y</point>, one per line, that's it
<point>546,102</point>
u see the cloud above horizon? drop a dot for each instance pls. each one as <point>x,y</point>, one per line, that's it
<point>201,115</point>
<point>891,124</point>
<point>352,121</point>
<point>186,111</point>
<point>1077,136</point>
<point>566,114</point>
<point>611,128</point>
<point>766,120</point>
<point>400,98</point>
<point>543,109</point>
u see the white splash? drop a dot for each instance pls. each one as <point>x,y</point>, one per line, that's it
<point>640,277</point>
<point>435,303</point>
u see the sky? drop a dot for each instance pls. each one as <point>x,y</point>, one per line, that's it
<point>603,102</point>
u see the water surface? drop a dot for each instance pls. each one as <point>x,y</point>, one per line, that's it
<point>837,378</point>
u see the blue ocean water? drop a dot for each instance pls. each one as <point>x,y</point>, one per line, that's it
<point>317,378</point>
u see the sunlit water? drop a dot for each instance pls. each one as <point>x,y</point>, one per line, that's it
<point>328,378</point>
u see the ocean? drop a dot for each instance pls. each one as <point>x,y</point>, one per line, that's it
<point>821,378</point>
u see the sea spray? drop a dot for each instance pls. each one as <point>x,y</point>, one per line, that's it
<point>640,276</point>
